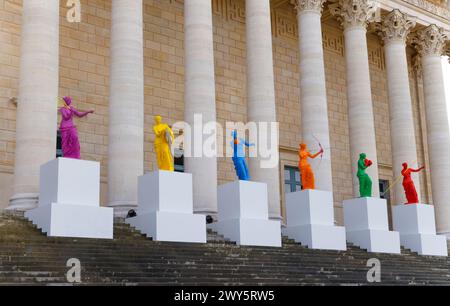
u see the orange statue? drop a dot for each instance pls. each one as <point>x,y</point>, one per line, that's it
<point>306,171</point>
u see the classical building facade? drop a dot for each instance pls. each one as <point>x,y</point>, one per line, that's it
<point>354,75</point>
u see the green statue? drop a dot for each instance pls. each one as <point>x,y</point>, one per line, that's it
<point>365,183</point>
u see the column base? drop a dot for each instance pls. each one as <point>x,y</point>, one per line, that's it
<point>23,202</point>
<point>121,209</point>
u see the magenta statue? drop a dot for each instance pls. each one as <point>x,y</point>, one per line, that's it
<point>69,134</point>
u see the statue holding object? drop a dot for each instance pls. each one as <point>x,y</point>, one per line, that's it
<point>306,172</point>
<point>69,134</point>
<point>163,142</point>
<point>365,183</point>
<point>240,165</point>
<point>408,184</point>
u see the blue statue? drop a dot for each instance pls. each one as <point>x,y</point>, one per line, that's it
<point>240,164</point>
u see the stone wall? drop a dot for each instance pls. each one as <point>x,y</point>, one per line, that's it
<point>10,20</point>
<point>84,62</point>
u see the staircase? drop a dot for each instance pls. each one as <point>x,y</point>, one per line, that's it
<point>27,257</point>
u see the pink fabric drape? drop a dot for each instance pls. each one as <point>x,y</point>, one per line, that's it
<point>69,134</point>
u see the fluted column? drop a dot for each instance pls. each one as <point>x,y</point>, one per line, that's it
<point>394,31</point>
<point>354,16</point>
<point>200,100</point>
<point>261,92</point>
<point>36,121</point>
<point>313,93</point>
<point>430,44</point>
<point>126,105</point>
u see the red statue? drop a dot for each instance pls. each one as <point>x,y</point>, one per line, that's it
<point>408,184</point>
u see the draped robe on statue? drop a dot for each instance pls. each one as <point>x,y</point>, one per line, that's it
<point>69,134</point>
<point>164,136</point>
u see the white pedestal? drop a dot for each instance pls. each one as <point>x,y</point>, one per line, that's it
<point>69,201</point>
<point>366,223</point>
<point>244,215</point>
<point>165,210</point>
<point>417,227</point>
<point>310,220</point>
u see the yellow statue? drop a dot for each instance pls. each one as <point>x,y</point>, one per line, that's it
<point>163,142</point>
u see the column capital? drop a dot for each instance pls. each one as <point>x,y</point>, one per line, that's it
<point>430,41</point>
<point>308,5</point>
<point>396,26</point>
<point>353,13</point>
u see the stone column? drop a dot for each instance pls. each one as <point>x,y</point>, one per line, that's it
<point>261,95</point>
<point>126,105</point>
<point>313,93</point>
<point>36,121</point>
<point>430,44</point>
<point>394,31</point>
<point>200,100</point>
<point>354,16</point>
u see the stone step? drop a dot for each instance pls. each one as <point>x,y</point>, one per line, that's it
<point>158,271</point>
<point>297,273</point>
<point>29,257</point>
<point>127,241</point>
<point>204,256</point>
<point>122,268</point>
<point>255,263</point>
<point>143,249</point>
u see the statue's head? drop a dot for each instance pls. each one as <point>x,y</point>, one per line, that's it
<point>303,146</point>
<point>234,134</point>
<point>158,119</point>
<point>363,156</point>
<point>405,165</point>
<point>68,100</point>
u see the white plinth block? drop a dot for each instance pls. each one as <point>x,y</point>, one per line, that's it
<point>310,220</point>
<point>244,215</point>
<point>417,227</point>
<point>69,201</point>
<point>165,191</point>
<point>367,226</point>
<point>70,181</point>
<point>165,211</point>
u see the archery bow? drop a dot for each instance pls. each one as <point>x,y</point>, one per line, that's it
<point>321,148</point>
